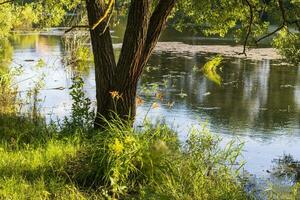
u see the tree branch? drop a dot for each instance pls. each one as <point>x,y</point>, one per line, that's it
<point>284,22</point>
<point>4,2</point>
<point>249,27</point>
<point>134,41</point>
<point>157,23</point>
<point>270,34</point>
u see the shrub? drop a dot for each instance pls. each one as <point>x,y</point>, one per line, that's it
<point>151,163</point>
<point>289,46</point>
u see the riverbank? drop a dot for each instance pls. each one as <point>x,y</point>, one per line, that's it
<point>40,161</point>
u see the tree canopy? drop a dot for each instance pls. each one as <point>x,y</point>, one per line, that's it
<point>247,20</point>
<point>16,15</point>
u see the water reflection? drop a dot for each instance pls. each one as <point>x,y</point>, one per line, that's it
<point>254,95</point>
<point>258,100</point>
<point>6,52</point>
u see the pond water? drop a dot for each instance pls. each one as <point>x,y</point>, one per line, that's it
<point>258,102</point>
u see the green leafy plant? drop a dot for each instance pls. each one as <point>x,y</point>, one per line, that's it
<point>82,115</point>
<point>288,44</point>
<point>40,63</point>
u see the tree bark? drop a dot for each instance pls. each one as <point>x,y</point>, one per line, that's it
<point>141,35</point>
<point>104,60</point>
<point>134,41</point>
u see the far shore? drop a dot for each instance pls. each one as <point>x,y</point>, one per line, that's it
<point>225,50</point>
<point>183,48</point>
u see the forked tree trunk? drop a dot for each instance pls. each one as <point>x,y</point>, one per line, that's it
<point>116,83</point>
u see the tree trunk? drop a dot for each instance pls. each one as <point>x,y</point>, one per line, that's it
<point>104,60</point>
<point>116,84</point>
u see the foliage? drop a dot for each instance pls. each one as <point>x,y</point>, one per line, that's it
<point>247,20</point>
<point>41,63</point>
<point>21,17</point>
<point>53,11</point>
<point>8,93</point>
<point>32,158</point>
<point>277,194</point>
<point>83,53</point>
<point>288,44</point>
<point>26,16</point>
<point>6,51</point>
<point>78,54</point>
<point>216,17</point>
<point>82,115</point>
<point>6,20</point>
<point>82,59</point>
<point>201,171</point>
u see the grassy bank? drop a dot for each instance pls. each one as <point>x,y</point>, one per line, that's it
<point>40,161</point>
<point>70,160</point>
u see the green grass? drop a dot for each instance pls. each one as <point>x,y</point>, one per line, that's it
<point>40,161</point>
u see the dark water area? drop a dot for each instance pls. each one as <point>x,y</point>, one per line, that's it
<point>258,102</point>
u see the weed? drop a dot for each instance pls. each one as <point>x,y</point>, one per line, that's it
<point>82,115</point>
